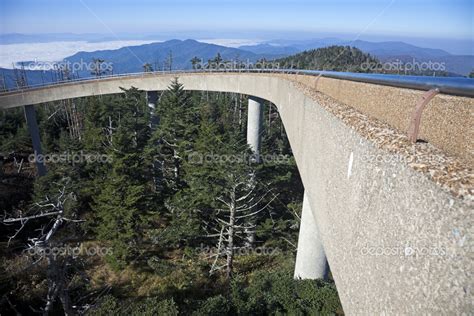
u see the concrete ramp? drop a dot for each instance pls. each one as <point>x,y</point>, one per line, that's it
<point>396,218</point>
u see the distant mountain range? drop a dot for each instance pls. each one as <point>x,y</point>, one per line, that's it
<point>184,51</point>
<point>132,58</point>
<point>269,49</point>
<point>384,51</point>
<point>378,49</point>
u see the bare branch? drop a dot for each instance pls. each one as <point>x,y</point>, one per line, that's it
<point>21,219</point>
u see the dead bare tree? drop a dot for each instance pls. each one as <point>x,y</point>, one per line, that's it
<point>241,201</point>
<point>67,109</point>
<point>40,247</point>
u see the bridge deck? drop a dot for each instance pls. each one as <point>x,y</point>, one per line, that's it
<point>368,186</point>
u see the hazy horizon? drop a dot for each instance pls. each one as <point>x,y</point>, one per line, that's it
<point>452,46</point>
<point>439,24</point>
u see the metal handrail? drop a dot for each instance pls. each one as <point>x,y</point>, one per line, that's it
<point>448,85</point>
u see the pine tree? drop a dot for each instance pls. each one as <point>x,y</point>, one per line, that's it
<point>221,190</point>
<point>119,206</point>
<point>174,136</point>
<point>124,194</point>
<point>195,61</point>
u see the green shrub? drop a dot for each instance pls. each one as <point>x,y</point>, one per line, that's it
<point>278,293</point>
<point>110,305</point>
<point>154,306</point>
<point>160,267</point>
<point>214,306</point>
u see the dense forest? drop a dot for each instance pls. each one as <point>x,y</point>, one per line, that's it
<point>152,211</point>
<point>335,58</point>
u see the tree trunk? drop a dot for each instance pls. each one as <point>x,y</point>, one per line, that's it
<point>240,112</point>
<point>230,238</point>
<point>269,118</point>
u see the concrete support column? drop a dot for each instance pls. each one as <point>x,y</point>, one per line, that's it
<point>30,115</point>
<point>254,125</point>
<point>311,260</point>
<point>152,100</point>
<point>254,131</point>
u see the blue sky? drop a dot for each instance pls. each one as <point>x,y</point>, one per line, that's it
<point>411,18</point>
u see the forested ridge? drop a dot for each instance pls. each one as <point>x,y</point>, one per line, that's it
<point>352,59</point>
<point>170,217</point>
<point>335,58</point>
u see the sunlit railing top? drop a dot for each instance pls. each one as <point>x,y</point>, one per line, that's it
<point>448,85</point>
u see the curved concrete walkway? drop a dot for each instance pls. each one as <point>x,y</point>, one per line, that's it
<point>398,239</point>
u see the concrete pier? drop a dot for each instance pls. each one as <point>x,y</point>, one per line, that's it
<point>254,132</point>
<point>30,115</point>
<point>311,260</point>
<point>152,100</point>
<point>254,126</point>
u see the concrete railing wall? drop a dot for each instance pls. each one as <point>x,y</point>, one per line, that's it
<point>446,122</point>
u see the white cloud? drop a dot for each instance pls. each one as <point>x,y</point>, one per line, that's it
<point>54,51</point>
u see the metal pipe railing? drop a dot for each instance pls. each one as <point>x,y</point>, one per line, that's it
<point>448,85</point>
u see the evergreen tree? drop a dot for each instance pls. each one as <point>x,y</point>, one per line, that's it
<point>222,189</point>
<point>124,194</point>
<point>174,136</point>
<point>194,61</point>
